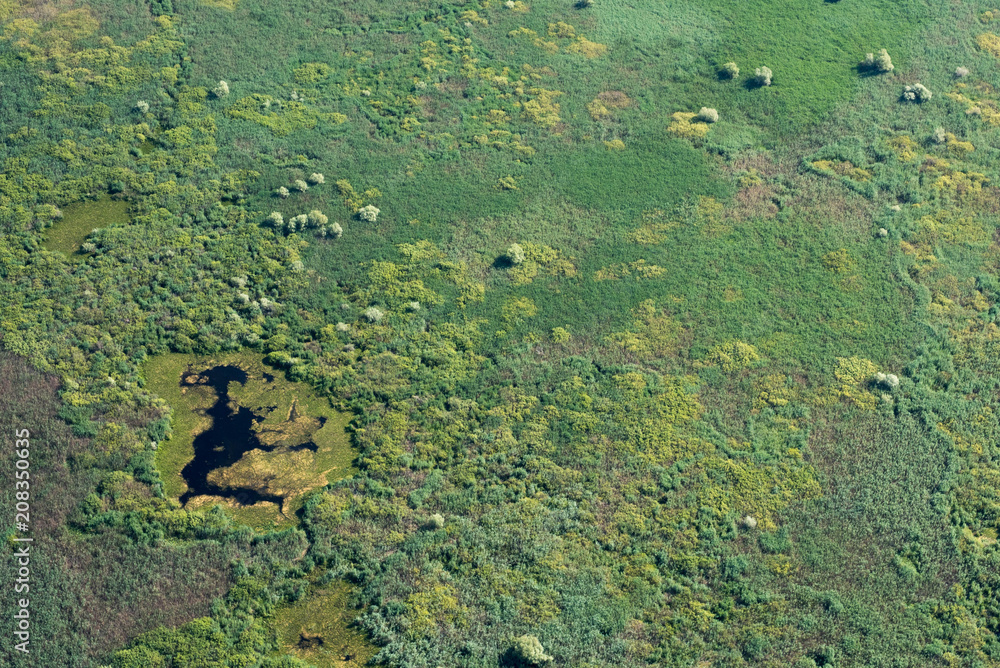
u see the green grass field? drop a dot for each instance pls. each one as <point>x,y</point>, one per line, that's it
<point>608,379</point>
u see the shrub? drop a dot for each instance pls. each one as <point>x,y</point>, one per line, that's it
<point>732,355</point>
<point>413,307</point>
<point>939,136</point>
<point>282,192</point>
<point>317,219</point>
<point>880,63</point>
<point>887,380</point>
<point>88,247</point>
<point>561,335</point>
<point>221,89</point>
<point>762,75</point>
<point>749,522</point>
<point>343,327</point>
<point>882,232</point>
<point>528,649</point>
<point>707,115</point>
<point>298,222</point>
<point>301,185</point>
<point>916,93</point>
<point>435,521</point>
<point>142,106</point>
<point>317,178</point>
<point>961,72</point>
<point>515,254</point>
<point>373,314</point>
<point>730,70</point>
<point>368,213</point>
<point>335,231</point>
<point>276,219</point>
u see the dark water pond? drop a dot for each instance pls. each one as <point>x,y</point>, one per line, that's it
<point>229,438</point>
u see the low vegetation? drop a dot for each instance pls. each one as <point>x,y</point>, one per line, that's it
<point>550,340</point>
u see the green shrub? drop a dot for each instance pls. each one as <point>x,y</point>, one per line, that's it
<point>528,650</point>
<point>917,93</point>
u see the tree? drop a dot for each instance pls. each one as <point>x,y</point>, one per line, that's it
<point>515,254</point>
<point>880,63</point>
<point>528,650</point>
<point>730,70</point>
<point>916,93</point>
<point>221,89</point>
<point>707,115</point>
<point>368,213</point>
<point>762,75</point>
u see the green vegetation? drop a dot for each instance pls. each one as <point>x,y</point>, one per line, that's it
<point>79,219</point>
<point>558,340</point>
<point>288,415</point>
<point>318,629</point>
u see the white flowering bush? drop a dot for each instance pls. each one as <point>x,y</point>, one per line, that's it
<point>707,115</point>
<point>917,93</point>
<point>528,650</point>
<point>283,192</point>
<point>887,380</point>
<point>142,106</point>
<point>413,306</point>
<point>515,254</point>
<point>343,327</point>
<point>878,63</point>
<point>762,75</point>
<point>301,185</point>
<point>316,218</point>
<point>961,72</point>
<point>730,70</point>
<point>373,314</point>
<point>317,178</point>
<point>276,219</point>
<point>221,89</point>
<point>369,213</point>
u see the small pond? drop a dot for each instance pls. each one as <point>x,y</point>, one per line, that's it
<point>244,437</point>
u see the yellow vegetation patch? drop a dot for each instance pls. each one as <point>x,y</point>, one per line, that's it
<point>586,48</point>
<point>843,168</point>
<point>221,4</point>
<point>542,108</point>
<point>562,30</point>
<point>654,333</point>
<point>640,270</point>
<point>539,258</point>
<point>732,356</point>
<point>682,125</point>
<point>903,146</point>
<point>990,43</point>
<point>852,374</point>
<point>615,145</point>
<point>654,228</point>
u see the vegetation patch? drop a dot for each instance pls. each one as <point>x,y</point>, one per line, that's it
<point>294,441</point>
<point>79,219</point>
